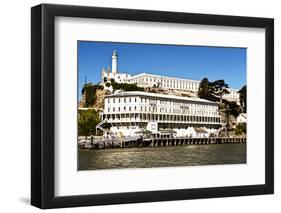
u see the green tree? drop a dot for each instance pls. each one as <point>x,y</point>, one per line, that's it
<point>87,121</point>
<point>219,88</point>
<point>243,98</point>
<point>241,129</point>
<point>206,90</point>
<point>234,108</point>
<point>203,87</point>
<point>126,87</point>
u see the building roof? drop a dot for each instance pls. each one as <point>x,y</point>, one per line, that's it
<point>160,76</point>
<point>233,89</point>
<point>159,96</point>
<point>244,115</point>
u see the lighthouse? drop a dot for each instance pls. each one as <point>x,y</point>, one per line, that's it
<point>114,62</point>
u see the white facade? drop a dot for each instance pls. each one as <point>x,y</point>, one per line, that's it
<point>242,118</point>
<point>137,111</point>
<point>149,80</point>
<point>114,62</point>
<point>107,76</point>
<point>232,96</point>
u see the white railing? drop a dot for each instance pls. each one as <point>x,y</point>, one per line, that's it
<point>99,126</point>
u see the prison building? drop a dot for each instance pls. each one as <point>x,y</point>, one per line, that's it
<point>150,80</point>
<point>138,110</point>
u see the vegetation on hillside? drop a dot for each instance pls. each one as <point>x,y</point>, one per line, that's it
<point>206,91</point>
<point>241,129</point>
<point>89,93</point>
<point>219,88</point>
<point>87,121</point>
<point>233,108</point>
<point>125,86</point>
<point>212,91</point>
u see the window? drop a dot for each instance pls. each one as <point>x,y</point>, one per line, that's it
<point>113,100</point>
<point>119,100</point>
<point>108,109</point>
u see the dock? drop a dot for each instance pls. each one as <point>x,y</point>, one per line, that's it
<point>156,142</point>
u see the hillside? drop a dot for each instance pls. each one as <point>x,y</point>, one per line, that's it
<point>93,97</point>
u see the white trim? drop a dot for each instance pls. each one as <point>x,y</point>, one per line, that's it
<point>157,95</point>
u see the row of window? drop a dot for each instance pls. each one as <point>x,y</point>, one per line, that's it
<point>167,83</point>
<point>161,110</point>
<point>231,95</point>
<point>156,117</point>
<point>119,100</point>
<point>161,80</point>
<point>162,102</point>
<point>193,87</point>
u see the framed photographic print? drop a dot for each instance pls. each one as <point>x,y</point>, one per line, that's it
<point>139,106</point>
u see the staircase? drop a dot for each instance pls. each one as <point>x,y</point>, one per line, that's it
<point>99,126</point>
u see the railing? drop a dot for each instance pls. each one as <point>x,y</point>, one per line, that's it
<point>135,142</point>
<point>99,126</point>
<point>161,121</point>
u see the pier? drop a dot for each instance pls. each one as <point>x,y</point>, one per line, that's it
<point>156,142</point>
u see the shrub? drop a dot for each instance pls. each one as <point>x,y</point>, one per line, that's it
<point>126,87</point>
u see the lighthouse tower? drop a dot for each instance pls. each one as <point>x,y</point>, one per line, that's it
<point>114,62</point>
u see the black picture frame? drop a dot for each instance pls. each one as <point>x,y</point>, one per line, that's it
<point>43,105</point>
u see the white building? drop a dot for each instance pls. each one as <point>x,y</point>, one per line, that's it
<point>242,118</point>
<point>131,112</point>
<point>232,96</point>
<point>150,80</point>
<point>107,75</point>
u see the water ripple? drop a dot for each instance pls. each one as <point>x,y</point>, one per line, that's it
<point>145,157</point>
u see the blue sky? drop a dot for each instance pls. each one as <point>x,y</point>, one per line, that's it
<point>191,62</point>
